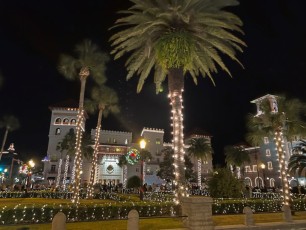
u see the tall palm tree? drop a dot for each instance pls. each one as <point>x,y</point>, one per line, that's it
<point>88,60</point>
<point>105,100</point>
<point>236,157</point>
<point>122,163</point>
<point>280,122</point>
<point>10,123</point>
<point>200,148</point>
<point>175,38</point>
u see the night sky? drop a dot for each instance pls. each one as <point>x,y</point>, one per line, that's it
<point>34,33</point>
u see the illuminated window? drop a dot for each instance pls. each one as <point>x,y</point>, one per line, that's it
<point>126,141</point>
<point>157,141</point>
<point>73,121</point>
<point>268,152</point>
<point>270,165</point>
<point>114,140</point>
<point>65,121</point>
<point>53,168</point>
<point>254,168</point>
<point>58,121</point>
<point>266,140</point>
<point>248,169</point>
<point>58,131</point>
<point>205,162</point>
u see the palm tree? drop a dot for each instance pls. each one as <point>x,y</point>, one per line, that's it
<point>300,147</point>
<point>88,60</point>
<point>10,123</point>
<point>105,100</point>
<point>67,146</point>
<point>122,163</point>
<point>200,148</point>
<point>235,157</point>
<point>296,164</point>
<point>280,119</point>
<point>297,161</point>
<point>175,38</point>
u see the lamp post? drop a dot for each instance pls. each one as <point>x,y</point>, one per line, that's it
<point>142,144</point>
<point>263,166</point>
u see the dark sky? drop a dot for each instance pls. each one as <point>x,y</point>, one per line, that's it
<point>34,33</point>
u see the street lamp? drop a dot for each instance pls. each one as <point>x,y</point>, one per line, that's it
<point>263,166</point>
<point>142,144</point>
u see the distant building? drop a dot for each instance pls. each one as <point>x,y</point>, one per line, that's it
<point>264,170</point>
<point>113,144</point>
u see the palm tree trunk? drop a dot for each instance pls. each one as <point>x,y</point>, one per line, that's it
<point>176,87</point>
<point>3,142</point>
<point>65,172</point>
<point>84,73</point>
<point>279,141</point>
<point>95,157</point>
<point>59,172</point>
<point>199,173</point>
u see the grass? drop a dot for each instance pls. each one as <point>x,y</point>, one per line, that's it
<point>144,223</point>
<point>158,223</point>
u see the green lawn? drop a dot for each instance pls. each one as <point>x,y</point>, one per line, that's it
<point>144,223</point>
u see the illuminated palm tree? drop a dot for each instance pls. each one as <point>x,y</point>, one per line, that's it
<point>235,157</point>
<point>87,61</point>
<point>174,38</point>
<point>10,123</point>
<point>105,100</point>
<point>200,148</point>
<point>280,119</point>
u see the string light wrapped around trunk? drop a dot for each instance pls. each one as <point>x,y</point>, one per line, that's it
<point>176,102</point>
<point>78,158</point>
<point>279,141</point>
<point>66,172</point>
<point>89,194</point>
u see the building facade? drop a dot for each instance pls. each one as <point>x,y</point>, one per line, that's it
<point>58,166</point>
<point>264,169</point>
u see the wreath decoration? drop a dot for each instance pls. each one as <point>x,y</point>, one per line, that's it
<point>132,156</point>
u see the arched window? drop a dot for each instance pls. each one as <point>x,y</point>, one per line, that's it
<point>58,131</point>
<point>73,121</point>
<point>58,121</point>
<point>65,121</point>
<point>258,182</point>
<point>272,182</point>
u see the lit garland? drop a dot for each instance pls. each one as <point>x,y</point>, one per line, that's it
<point>59,171</point>
<point>176,101</point>
<point>94,164</point>
<point>66,172</point>
<point>119,208</point>
<point>199,173</point>
<point>124,176</point>
<point>78,158</point>
<point>279,141</point>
